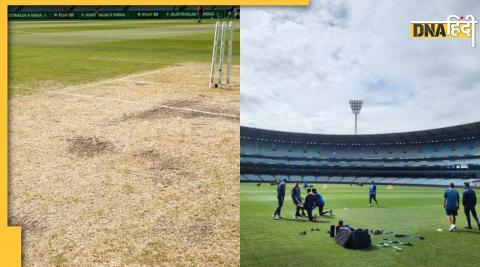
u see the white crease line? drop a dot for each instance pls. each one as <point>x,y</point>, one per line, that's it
<point>145,103</point>
<point>118,79</point>
<point>75,87</point>
<point>140,82</point>
<point>125,78</point>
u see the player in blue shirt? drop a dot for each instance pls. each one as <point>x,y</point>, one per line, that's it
<point>451,200</point>
<point>469,200</point>
<point>282,186</point>
<point>320,203</point>
<point>372,192</point>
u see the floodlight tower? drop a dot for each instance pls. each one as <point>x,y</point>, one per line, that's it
<point>356,106</point>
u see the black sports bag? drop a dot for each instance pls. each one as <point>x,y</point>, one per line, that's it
<point>354,239</point>
<point>361,239</point>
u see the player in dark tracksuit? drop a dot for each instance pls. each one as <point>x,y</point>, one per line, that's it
<point>469,200</point>
<point>309,203</point>
<point>297,200</point>
<point>280,197</point>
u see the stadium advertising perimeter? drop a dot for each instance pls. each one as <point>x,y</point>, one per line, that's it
<point>161,14</point>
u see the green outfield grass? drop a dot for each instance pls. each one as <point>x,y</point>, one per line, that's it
<point>58,53</point>
<point>412,210</point>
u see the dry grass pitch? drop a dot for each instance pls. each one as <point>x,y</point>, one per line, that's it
<point>137,170</point>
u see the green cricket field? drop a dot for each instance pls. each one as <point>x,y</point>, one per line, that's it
<point>415,211</point>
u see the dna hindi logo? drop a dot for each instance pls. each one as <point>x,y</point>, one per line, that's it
<point>454,27</point>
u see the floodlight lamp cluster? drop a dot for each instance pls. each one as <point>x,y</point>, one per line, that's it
<point>356,106</point>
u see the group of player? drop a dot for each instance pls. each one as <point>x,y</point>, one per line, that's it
<point>451,203</point>
<point>313,199</point>
<point>309,203</point>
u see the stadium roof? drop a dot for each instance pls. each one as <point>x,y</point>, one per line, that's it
<point>459,132</point>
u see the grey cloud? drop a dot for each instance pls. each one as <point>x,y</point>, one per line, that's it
<point>300,66</point>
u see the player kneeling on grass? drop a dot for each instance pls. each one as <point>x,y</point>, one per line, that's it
<point>320,203</point>
<point>451,201</point>
<point>373,194</point>
<point>309,203</point>
<point>469,200</point>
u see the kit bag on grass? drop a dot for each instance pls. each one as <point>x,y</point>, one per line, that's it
<point>354,239</point>
<point>344,237</point>
<point>361,239</point>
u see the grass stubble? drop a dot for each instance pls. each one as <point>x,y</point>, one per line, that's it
<point>99,176</point>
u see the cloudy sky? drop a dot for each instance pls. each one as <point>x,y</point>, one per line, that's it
<point>300,67</point>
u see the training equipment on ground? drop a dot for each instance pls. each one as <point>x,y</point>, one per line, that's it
<point>351,238</point>
<point>394,243</point>
<point>221,33</point>
<point>332,230</point>
<point>390,187</point>
<point>397,249</point>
